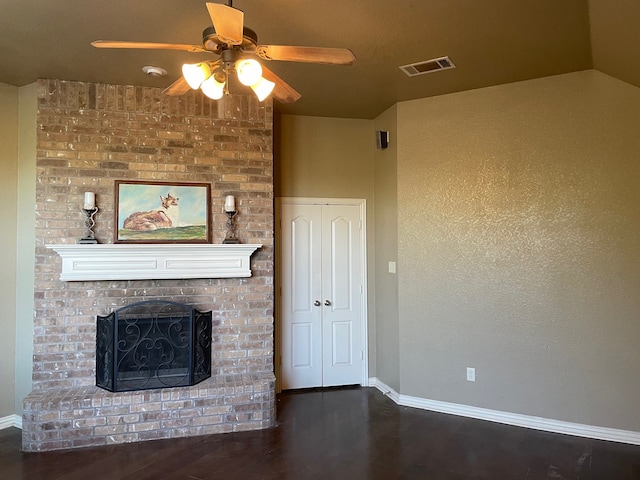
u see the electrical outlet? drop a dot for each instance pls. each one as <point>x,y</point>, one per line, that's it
<point>471,374</point>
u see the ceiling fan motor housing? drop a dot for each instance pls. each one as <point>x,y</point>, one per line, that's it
<point>212,42</point>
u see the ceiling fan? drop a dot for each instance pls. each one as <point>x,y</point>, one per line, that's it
<point>236,47</point>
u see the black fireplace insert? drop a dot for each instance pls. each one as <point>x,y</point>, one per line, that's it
<point>153,344</point>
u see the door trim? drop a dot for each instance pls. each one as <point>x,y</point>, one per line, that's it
<point>360,202</point>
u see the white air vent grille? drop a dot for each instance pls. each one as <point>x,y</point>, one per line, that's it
<point>428,66</point>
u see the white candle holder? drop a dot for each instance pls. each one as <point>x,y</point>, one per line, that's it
<point>89,223</point>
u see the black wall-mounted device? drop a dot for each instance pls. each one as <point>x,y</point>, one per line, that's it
<point>382,139</point>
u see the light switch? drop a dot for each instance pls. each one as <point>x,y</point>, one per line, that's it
<point>392,267</point>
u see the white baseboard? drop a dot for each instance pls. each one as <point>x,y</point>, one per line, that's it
<point>11,421</point>
<point>527,421</point>
<point>385,389</point>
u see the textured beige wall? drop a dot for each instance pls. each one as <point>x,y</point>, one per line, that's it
<point>329,158</point>
<point>8,207</point>
<point>325,157</point>
<point>386,242</point>
<point>25,275</point>
<point>614,38</point>
<point>518,248</point>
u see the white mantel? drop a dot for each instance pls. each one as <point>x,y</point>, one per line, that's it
<point>153,261</point>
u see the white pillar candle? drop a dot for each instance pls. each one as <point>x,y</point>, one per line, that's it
<point>229,204</point>
<point>89,200</point>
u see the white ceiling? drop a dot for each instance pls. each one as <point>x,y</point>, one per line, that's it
<point>490,41</point>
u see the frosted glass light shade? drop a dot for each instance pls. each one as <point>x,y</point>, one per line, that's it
<point>195,73</point>
<point>263,88</point>
<point>212,88</point>
<point>249,71</point>
<point>229,204</point>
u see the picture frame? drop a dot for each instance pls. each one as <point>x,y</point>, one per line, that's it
<point>162,212</point>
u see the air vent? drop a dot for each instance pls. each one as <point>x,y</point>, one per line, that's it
<point>434,65</point>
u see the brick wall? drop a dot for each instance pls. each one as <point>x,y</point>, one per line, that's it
<point>88,136</point>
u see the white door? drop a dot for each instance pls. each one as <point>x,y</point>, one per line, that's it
<point>322,295</point>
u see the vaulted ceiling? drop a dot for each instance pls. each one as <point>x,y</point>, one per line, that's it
<point>491,42</point>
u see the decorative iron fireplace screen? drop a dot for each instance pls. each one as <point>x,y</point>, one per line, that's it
<point>153,344</point>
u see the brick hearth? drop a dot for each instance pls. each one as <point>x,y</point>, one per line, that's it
<point>89,416</point>
<point>90,135</point>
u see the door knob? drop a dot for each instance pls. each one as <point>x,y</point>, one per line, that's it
<point>327,303</point>
<point>317,303</point>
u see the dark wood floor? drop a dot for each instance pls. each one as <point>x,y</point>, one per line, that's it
<point>353,433</point>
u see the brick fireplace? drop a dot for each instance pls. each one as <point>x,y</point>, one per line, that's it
<point>88,136</point>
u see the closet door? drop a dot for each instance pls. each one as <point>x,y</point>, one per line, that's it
<point>322,293</point>
<point>341,295</point>
<point>301,259</point>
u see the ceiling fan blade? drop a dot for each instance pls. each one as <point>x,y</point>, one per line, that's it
<point>228,22</point>
<point>179,87</point>
<point>331,56</point>
<point>283,92</point>
<point>148,45</point>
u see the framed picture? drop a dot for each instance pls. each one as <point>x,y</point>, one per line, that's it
<point>162,212</point>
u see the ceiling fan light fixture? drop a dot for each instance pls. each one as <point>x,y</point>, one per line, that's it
<point>262,88</point>
<point>196,73</point>
<point>249,71</point>
<point>212,88</point>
